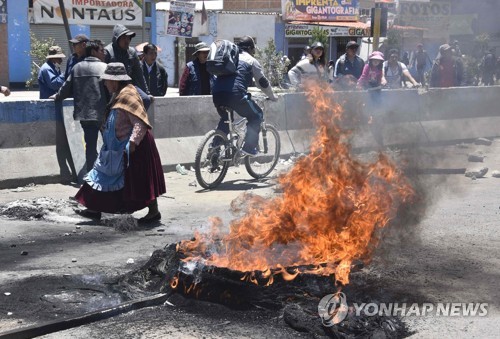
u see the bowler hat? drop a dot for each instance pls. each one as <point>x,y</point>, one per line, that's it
<point>79,38</point>
<point>115,71</point>
<point>55,52</point>
<point>201,47</point>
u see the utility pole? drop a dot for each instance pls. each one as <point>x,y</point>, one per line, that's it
<point>66,24</point>
<point>377,15</point>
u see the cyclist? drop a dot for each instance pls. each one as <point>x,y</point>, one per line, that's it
<point>231,91</point>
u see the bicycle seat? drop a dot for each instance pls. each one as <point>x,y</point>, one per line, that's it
<point>227,110</point>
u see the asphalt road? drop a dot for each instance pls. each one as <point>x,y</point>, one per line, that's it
<point>58,265</point>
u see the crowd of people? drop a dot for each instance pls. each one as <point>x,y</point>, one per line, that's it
<point>114,85</point>
<point>112,90</point>
<point>394,70</point>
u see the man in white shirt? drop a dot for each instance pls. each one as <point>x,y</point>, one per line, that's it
<point>395,71</point>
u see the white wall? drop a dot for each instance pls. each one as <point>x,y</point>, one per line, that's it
<point>259,26</point>
<point>219,26</point>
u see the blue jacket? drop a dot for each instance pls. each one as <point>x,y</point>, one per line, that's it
<point>237,84</point>
<point>192,77</point>
<point>50,79</point>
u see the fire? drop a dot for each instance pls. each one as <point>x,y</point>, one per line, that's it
<point>328,216</point>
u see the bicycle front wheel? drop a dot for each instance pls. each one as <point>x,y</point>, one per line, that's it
<point>210,163</point>
<point>269,147</point>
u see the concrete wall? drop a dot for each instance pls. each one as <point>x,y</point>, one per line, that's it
<point>30,130</point>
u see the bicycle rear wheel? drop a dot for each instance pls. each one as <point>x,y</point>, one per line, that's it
<point>209,164</point>
<point>269,153</point>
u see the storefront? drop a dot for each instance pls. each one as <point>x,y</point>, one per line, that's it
<point>339,19</point>
<point>298,35</point>
<point>94,18</point>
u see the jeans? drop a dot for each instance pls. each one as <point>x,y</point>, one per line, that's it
<point>90,134</point>
<point>246,107</point>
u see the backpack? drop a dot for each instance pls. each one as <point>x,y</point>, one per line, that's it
<point>222,58</point>
<point>400,71</point>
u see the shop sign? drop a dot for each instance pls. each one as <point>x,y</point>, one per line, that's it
<point>299,31</point>
<point>89,12</point>
<point>320,10</point>
<point>434,16</point>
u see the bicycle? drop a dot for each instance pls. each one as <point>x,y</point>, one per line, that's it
<point>212,162</point>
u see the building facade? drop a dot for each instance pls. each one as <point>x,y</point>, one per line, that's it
<point>44,19</point>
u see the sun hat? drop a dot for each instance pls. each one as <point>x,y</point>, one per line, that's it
<point>352,44</point>
<point>317,44</point>
<point>201,47</point>
<point>79,38</point>
<point>376,56</point>
<point>55,52</point>
<point>115,71</point>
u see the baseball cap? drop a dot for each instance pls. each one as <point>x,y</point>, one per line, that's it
<point>79,38</point>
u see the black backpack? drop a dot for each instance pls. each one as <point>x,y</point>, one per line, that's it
<point>223,58</point>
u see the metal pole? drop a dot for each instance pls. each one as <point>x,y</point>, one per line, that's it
<point>376,26</point>
<point>66,24</point>
<point>144,22</point>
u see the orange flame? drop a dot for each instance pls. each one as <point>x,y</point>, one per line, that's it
<point>328,216</point>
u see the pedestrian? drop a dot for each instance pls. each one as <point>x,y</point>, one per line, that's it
<point>79,46</point>
<point>405,59</point>
<point>488,67</point>
<point>419,61</point>
<point>50,78</point>
<point>447,70</point>
<point>372,72</point>
<point>312,67</point>
<point>349,62</point>
<point>5,90</point>
<point>119,50</point>
<point>154,73</point>
<point>456,49</point>
<point>127,175</point>
<point>498,70</point>
<point>90,97</point>
<point>231,91</point>
<point>395,72</point>
<point>195,79</point>
<point>305,52</point>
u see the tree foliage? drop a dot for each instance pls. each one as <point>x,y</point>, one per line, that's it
<point>274,67</point>
<point>38,53</point>
<point>321,35</point>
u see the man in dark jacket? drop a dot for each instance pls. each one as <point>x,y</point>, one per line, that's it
<point>195,79</point>
<point>231,91</point>
<point>90,96</point>
<point>79,45</point>
<point>154,73</point>
<point>447,70</point>
<point>488,67</point>
<point>120,51</point>
<point>349,63</point>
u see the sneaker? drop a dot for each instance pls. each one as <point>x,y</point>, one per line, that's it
<point>252,153</point>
